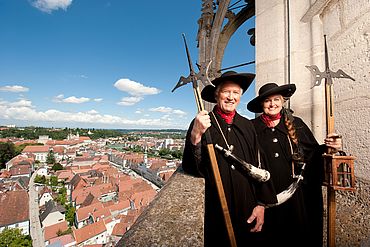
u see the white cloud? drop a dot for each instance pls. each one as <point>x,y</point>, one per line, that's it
<point>92,112</point>
<point>135,88</point>
<point>76,100</point>
<point>23,110</point>
<point>21,103</point>
<point>179,112</point>
<point>50,5</point>
<point>73,99</point>
<point>166,117</point>
<point>14,89</point>
<point>128,101</point>
<point>164,109</point>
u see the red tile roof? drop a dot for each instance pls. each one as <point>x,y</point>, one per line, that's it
<point>101,214</point>
<point>36,149</point>
<point>120,228</point>
<point>84,138</point>
<point>84,212</point>
<point>64,240</point>
<point>20,170</point>
<point>13,207</point>
<point>121,205</point>
<point>5,174</point>
<point>58,150</point>
<point>52,231</point>
<point>79,195</point>
<point>89,231</point>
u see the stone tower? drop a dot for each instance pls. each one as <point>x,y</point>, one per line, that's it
<point>289,36</point>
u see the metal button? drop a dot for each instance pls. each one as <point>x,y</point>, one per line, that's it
<point>274,140</point>
<point>276,155</point>
<point>229,129</point>
<point>273,129</point>
<point>233,167</point>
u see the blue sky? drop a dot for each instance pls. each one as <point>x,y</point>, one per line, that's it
<point>103,63</point>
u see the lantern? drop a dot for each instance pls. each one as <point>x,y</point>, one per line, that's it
<point>339,172</point>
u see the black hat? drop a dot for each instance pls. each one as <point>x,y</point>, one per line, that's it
<point>267,90</point>
<point>243,79</point>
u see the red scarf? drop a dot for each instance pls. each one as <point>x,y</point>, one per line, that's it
<point>228,117</point>
<point>269,120</point>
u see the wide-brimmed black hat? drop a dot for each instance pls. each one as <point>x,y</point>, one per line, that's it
<point>255,105</point>
<point>243,79</point>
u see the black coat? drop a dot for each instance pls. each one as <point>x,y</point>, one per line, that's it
<point>300,219</point>
<point>242,192</point>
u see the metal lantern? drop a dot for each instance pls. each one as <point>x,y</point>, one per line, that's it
<point>339,172</point>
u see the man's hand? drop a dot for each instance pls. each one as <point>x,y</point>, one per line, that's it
<point>201,123</point>
<point>258,214</point>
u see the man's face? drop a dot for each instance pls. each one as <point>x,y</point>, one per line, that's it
<point>273,104</point>
<point>228,96</point>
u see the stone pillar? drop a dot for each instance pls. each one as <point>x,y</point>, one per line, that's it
<point>284,46</point>
<point>287,41</point>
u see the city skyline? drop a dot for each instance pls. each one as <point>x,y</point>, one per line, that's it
<point>103,64</point>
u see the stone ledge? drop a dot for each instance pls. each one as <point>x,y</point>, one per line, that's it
<point>173,218</point>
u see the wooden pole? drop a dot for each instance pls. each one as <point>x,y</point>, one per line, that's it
<point>331,176</point>
<point>331,203</point>
<point>217,176</point>
<point>215,170</point>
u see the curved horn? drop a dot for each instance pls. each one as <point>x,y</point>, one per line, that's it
<point>255,172</point>
<point>288,193</point>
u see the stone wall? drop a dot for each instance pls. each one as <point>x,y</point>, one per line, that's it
<point>173,218</point>
<point>284,46</point>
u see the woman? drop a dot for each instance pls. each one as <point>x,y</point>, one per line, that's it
<point>232,131</point>
<point>289,144</point>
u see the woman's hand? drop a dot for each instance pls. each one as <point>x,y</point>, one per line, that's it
<point>258,214</point>
<point>201,123</point>
<point>334,141</point>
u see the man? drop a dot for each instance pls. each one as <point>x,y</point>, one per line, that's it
<point>245,196</point>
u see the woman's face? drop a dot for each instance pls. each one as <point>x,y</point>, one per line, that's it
<point>228,96</point>
<point>273,104</point>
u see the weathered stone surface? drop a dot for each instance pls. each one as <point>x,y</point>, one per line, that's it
<point>353,216</point>
<point>174,217</point>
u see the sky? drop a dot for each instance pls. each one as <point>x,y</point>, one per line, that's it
<point>107,64</point>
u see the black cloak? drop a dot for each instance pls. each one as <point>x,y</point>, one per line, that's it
<point>298,221</point>
<point>242,192</point>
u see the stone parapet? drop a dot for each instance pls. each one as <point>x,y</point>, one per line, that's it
<point>173,218</point>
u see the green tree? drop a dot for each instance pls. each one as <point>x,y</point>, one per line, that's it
<point>57,167</point>
<point>164,152</point>
<point>7,152</point>
<point>14,238</point>
<point>70,214</point>
<point>177,154</point>
<point>62,190</point>
<point>62,195</point>
<point>53,181</point>
<point>50,158</point>
<point>40,179</point>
